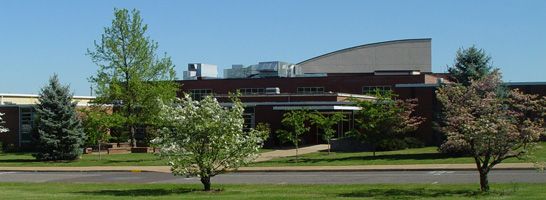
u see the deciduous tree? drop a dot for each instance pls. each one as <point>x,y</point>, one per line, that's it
<point>204,139</point>
<point>294,122</point>
<point>131,76</point>
<point>491,122</point>
<point>384,118</point>
<point>325,123</point>
<point>60,134</point>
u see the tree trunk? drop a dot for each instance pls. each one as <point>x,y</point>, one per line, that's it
<point>206,182</point>
<point>373,149</point>
<point>329,147</point>
<point>133,140</point>
<point>296,153</point>
<point>484,182</point>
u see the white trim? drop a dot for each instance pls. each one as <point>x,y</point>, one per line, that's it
<point>36,96</point>
<point>303,103</point>
<point>329,94</point>
<point>317,107</point>
<point>408,85</point>
<point>525,83</point>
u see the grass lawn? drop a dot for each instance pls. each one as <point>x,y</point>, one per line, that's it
<point>132,159</point>
<point>185,191</point>
<point>427,155</point>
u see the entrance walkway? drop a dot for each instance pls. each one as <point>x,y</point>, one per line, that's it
<point>290,152</point>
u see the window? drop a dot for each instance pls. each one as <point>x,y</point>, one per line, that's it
<point>27,121</point>
<point>248,91</point>
<point>310,90</point>
<point>371,89</point>
<point>249,117</point>
<point>198,94</point>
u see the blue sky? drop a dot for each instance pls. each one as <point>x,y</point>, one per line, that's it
<point>39,38</point>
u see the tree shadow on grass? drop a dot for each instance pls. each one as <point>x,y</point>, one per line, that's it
<point>418,193</point>
<point>34,161</point>
<point>392,157</point>
<point>140,192</point>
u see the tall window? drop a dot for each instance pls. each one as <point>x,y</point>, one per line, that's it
<point>310,90</point>
<point>249,117</point>
<point>371,89</point>
<point>198,94</point>
<point>248,91</point>
<point>27,121</point>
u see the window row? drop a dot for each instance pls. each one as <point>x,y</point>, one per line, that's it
<point>198,94</point>
<point>252,90</point>
<point>382,89</point>
<point>310,90</point>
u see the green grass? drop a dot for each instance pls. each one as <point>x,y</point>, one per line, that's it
<point>427,155</point>
<point>132,159</point>
<point>267,191</point>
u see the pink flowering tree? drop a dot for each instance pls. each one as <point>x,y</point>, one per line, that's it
<point>2,128</point>
<point>492,123</point>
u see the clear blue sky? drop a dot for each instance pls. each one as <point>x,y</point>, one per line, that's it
<point>39,38</point>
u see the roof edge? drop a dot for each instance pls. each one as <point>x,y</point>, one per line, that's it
<point>364,45</point>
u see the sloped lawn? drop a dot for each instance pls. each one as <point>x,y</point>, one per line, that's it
<point>427,155</point>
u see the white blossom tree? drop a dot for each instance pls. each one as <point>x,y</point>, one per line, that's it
<point>204,139</point>
<point>2,128</point>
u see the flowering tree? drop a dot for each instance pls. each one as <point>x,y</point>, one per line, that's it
<point>491,122</point>
<point>202,138</point>
<point>2,128</point>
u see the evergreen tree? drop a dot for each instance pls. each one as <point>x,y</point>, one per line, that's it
<point>60,134</point>
<point>470,64</point>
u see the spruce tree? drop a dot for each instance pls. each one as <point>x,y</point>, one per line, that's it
<point>471,64</point>
<point>60,134</point>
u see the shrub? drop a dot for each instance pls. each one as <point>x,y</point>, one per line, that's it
<point>454,148</point>
<point>392,144</point>
<point>414,142</point>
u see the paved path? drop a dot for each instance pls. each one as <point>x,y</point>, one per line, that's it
<point>386,177</point>
<point>290,152</point>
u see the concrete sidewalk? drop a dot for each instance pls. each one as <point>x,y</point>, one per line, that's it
<point>290,152</point>
<point>166,169</point>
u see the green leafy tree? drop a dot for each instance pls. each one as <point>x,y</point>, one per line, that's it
<point>325,123</point>
<point>60,134</point>
<point>97,122</point>
<point>204,139</point>
<point>384,118</point>
<point>2,128</point>
<point>492,124</point>
<point>294,122</point>
<point>470,64</point>
<point>131,76</point>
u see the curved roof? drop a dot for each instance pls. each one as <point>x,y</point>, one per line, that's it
<point>355,56</point>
